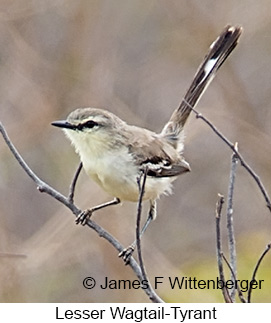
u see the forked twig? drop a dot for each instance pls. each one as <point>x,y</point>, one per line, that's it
<point>249,170</point>
<point>237,153</point>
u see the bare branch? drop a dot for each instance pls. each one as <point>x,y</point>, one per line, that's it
<point>231,239</point>
<point>73,183</point>
<point>132,263</point>
<point>267,248</point>
<point>240,294</point>
<point>138,220</point>
<point>154,297</point>
<point>240,157</point>
<point>249,170</point>
<point>45,188</point>
<point>41,185</point>
<point>225,291</point>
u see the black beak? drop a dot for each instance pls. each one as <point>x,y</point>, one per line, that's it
<point>63,124</point>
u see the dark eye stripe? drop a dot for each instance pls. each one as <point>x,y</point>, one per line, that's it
<point>88,124</point>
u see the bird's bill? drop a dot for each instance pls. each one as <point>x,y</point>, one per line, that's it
<point>62,124</point>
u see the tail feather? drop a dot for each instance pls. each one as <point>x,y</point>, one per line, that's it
<point>218,53</point>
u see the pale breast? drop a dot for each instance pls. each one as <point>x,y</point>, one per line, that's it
<point>118,176</point>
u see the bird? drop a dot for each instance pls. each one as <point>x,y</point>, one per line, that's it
<point>115,154</point>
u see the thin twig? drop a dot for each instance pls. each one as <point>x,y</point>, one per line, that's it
<point>73,183</point>
<point>138,221</point>
<point>231,239</point>
<point>240,294</point>
<point>267,248</point>
<point>240,157</point>
<point>41,185</point>
<point>132,263</point>
<point>45,188</point>
<point>225,291</point>
<point>249,170</point>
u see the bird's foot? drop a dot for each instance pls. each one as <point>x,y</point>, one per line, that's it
<point>83,217</point>
<point>126,254</point>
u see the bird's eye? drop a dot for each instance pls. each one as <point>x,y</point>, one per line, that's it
<point>90,124</point>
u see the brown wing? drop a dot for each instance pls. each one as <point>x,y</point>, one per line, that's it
<point>152,151</point>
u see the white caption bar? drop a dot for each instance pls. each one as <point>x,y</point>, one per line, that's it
<point>132,312</point>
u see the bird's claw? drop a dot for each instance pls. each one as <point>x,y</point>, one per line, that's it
<point>83,217</point>
<point>126,254</point>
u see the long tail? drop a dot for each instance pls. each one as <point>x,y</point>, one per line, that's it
<point>218,53</point>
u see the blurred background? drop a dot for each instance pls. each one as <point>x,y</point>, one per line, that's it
<point>136,59</point>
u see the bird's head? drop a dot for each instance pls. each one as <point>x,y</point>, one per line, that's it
<point>91,129</point>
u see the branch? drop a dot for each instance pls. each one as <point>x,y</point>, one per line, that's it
<point>240,294</point>
<point>267,248</point>
<point>249,170</point>
<point>225,291</point>
<point>45,188</point>
<point>231,239</point>
<point>41,185</point>
<point>143,176</point>
<point>138,220</point>
<point>74,181</point>
<point>236,152</point>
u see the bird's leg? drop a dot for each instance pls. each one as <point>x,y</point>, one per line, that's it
<point>127,252</point>
<point>85,215</point>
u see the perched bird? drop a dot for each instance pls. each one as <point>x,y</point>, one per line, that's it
<point>115,154</point>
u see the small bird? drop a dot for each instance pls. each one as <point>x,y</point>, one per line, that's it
<point>115,154</point>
